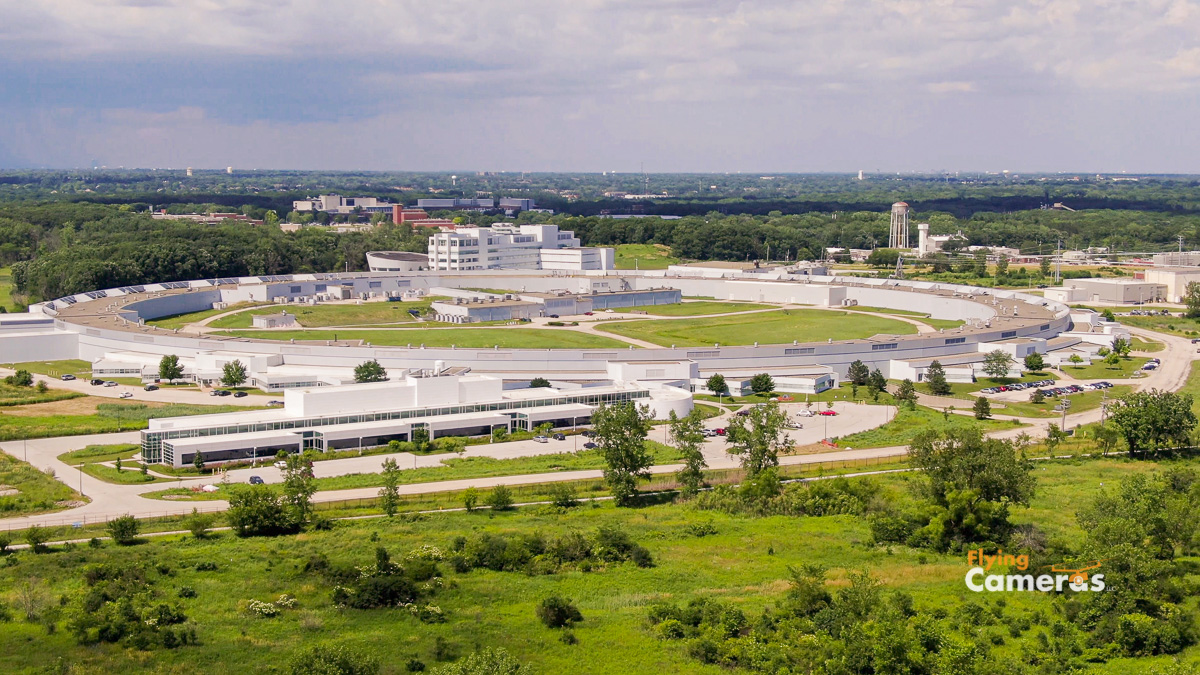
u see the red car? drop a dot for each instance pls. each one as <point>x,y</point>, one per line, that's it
<point>827,412</point>
<point>720,432</point>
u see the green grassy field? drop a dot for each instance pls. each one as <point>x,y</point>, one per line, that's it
<point>783,326</point>
<point>743,561</point>
<point>321,316</point>
<point>6,286</point>
<point>644,256</point>
<point>1099,370</point>
<point>11,395</point>
<point>37,492</point>
<point>908,423</point>
<point>969,391</point>
<point>469,338</point>
<point>180,320</point>
<point>99,453</point>
<point>700,308</point>
<point>1170,324</point>
<point>109,417</point>
<point>1140,345</point>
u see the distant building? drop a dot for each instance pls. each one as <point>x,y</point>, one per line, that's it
<point>342,206</point>
<point>456,203</point>
<point>514,247</point>
<point>397,261</point>
<point>1109,290</point>
<point>206,218</point>
<point>1181,259</point>
<point>1173,279</point>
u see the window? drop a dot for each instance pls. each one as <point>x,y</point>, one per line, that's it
<point>889,345</point>
<point>1008,334</point>
<point>796,351</point>
<point>293,289</point>
<point>1045,326</point>
<point>956,341</point>
<point>375,284</point>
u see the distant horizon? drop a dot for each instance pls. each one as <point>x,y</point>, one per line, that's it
<point>464,173</point>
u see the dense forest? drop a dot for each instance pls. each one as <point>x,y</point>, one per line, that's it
<point>67,232</point>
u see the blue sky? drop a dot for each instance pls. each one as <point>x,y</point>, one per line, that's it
<point>590,85</point>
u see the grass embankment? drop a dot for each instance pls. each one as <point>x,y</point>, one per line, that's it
<point>700,308</point>
<point>644,257</point>
<point>1140,345</point>
<point>77,367</point>
<point>1172,324</point>
<point>108,417</point>
<point>180,320</point>
<point>467,338</point>
<point>456,468</point>
<point>907,424</point>
<point>320,316</point>
<point>741,560</point>
<point>1099,370</point>
<point>783,326</point>
<point>11,395</point>
<point>26,490</point>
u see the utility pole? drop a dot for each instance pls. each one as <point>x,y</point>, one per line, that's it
<point>1058,263</point>
<point>1181,243</point>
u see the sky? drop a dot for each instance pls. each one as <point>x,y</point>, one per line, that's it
<point>594,85</point>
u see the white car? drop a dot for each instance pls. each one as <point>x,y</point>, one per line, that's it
<point>126,394</point>
<point>804,413</point>
<point>541,439</point>
<point>110,383</point>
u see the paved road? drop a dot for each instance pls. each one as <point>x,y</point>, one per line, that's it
<point>110,500</point>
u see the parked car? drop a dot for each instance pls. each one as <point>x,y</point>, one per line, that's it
<point>830,413</point>
<point>275,403</point>
<point>553,316</point>
<point>589,434</point>
<point>804,413</point>
<point>240,394</point>
<point>589,313</point>
<point>256,480</point>
<point>589,445</point>
<point>221,392</point>
<point>67,378</point>
<point>720,432</point>
<point>110,383</point>
<point>151,387</point>
<point>126,394</point>
<point>559,437</point>
<point>96,383</point>
<point>541,439</point>
<point>281,464</point>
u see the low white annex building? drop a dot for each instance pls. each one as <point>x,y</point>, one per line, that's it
<point>370,415</point>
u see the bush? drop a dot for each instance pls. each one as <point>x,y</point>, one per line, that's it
<point>641,557</point>
<point>206,566</point>
<point>36,537</point>
<point>198,523</point>
<point>558,612</point>
<point>5,542</point>
<point>257,511</point>
<point>95,542</point>
<point>486,662</point>
<point>332,660</point>
<point>563,496</point>
<point>124,529</point>
<point>187,592</point>
<point>500,498</point>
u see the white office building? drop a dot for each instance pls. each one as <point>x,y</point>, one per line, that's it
<point>342,206</point>
<point>505,246</point>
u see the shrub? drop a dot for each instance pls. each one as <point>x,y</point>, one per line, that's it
<point>36,537</point>
<point>558,612</point>
<point>5,542</point>
<point>444,650</point>
<point>500,498</point>
<point>563,496</point>
<point>671,629</point>
<point>206,566</point>
<point>568,637</point>
<point>265,610</point>
<point>95,542</point>
<point>198,523</point>
<point>470,499</point>
<point>124,529</point>
<point>641,557</point>
<point>257,511</point>
<point>414,665</point>
<point>701,529</point>
<point>486,662</point>
<point>332,660</point>
<point>187,592</point>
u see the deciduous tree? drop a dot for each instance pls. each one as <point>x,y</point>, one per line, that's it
<point>621,430</point>
<point>370,371</point>
<point>757,438</point>
<point>687,435</point>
